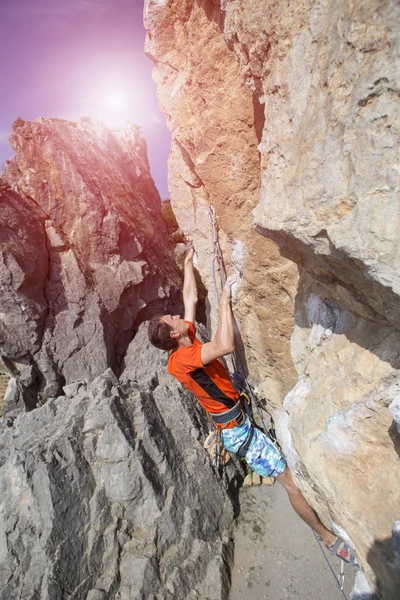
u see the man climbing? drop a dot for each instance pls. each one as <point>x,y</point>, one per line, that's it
<point>198,368</point>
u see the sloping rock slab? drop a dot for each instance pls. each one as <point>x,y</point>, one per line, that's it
<point>107,493</point>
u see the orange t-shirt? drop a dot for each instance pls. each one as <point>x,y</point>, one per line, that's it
<point>210,383</point>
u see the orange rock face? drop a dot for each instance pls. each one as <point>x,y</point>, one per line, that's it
<point>216,123</point>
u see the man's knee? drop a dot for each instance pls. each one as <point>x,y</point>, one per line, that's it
<point>286,480</point>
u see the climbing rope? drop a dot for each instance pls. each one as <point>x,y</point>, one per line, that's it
<point>217,250</point>
<point>239,378</point>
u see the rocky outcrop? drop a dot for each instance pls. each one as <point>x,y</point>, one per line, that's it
<point>24,271</point>
<point>176,236</point>
<point>106,489</point>
<point>80,269</point>
<point>107,492</point>
<point>286,119</point>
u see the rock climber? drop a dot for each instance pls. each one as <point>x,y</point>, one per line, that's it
<point>198,368</point>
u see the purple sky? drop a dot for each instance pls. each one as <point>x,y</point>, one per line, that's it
<point>74,58</point>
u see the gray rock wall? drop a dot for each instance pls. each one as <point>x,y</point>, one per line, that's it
<point>106,489</point>
<point>107,493</point>
<point>24,271</point>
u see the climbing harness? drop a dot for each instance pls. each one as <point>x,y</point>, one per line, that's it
<point>219,420</point>
<point>233,414</point>
<point>338,578</point>
<point>218,453</point>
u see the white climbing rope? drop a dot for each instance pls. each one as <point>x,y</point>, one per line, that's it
<point>239,376</point>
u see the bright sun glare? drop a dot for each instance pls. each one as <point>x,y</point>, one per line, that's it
<point>116,99</point>
<point>112,99</point>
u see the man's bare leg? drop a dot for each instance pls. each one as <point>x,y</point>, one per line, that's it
<point>303,509</point>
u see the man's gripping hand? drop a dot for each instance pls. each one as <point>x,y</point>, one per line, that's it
<point>189,288</point>
<point>224,341</point>
<point>189,256</point>
<point>227,290</point>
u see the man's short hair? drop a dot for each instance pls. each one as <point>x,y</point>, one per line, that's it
<point>159,333</point>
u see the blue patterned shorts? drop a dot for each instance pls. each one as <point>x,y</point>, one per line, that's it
<point>262,456</point>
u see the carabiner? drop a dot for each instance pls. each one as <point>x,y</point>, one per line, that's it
<point>212,216</point>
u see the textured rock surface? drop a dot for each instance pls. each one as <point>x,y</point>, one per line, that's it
<point>395,410</point>
<point>80,269</point>
<point>107,493</point>
<point>216,125</point>
<point>330,174</point>
<point>310,148</point>
<point>336,427</point>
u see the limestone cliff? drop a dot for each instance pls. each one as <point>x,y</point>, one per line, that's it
<point>80,270</point>
<point>216,124</point>
<point>285,116</point>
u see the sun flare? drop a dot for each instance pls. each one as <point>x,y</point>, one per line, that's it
<point>113,99</point>
<point>116,99</point>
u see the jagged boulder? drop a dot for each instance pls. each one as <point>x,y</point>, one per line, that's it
<point>24,270</point>
<point>107,492</point>
<point>106,489</point>
<point>286,119</point>
<point>87,247</point>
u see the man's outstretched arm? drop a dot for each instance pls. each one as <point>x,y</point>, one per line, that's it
<point>223,342</point>
<point>189,288</point>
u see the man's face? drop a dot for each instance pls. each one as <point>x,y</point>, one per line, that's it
<point>178,325</point>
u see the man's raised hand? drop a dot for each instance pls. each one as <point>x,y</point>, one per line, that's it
<point>189,256</point>
<point>189,288</point>
<point>229,283</point>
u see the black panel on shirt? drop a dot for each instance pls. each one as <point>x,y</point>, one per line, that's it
<point>211,388</point>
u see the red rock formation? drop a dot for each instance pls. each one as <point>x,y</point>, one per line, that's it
<point>100,246</point>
